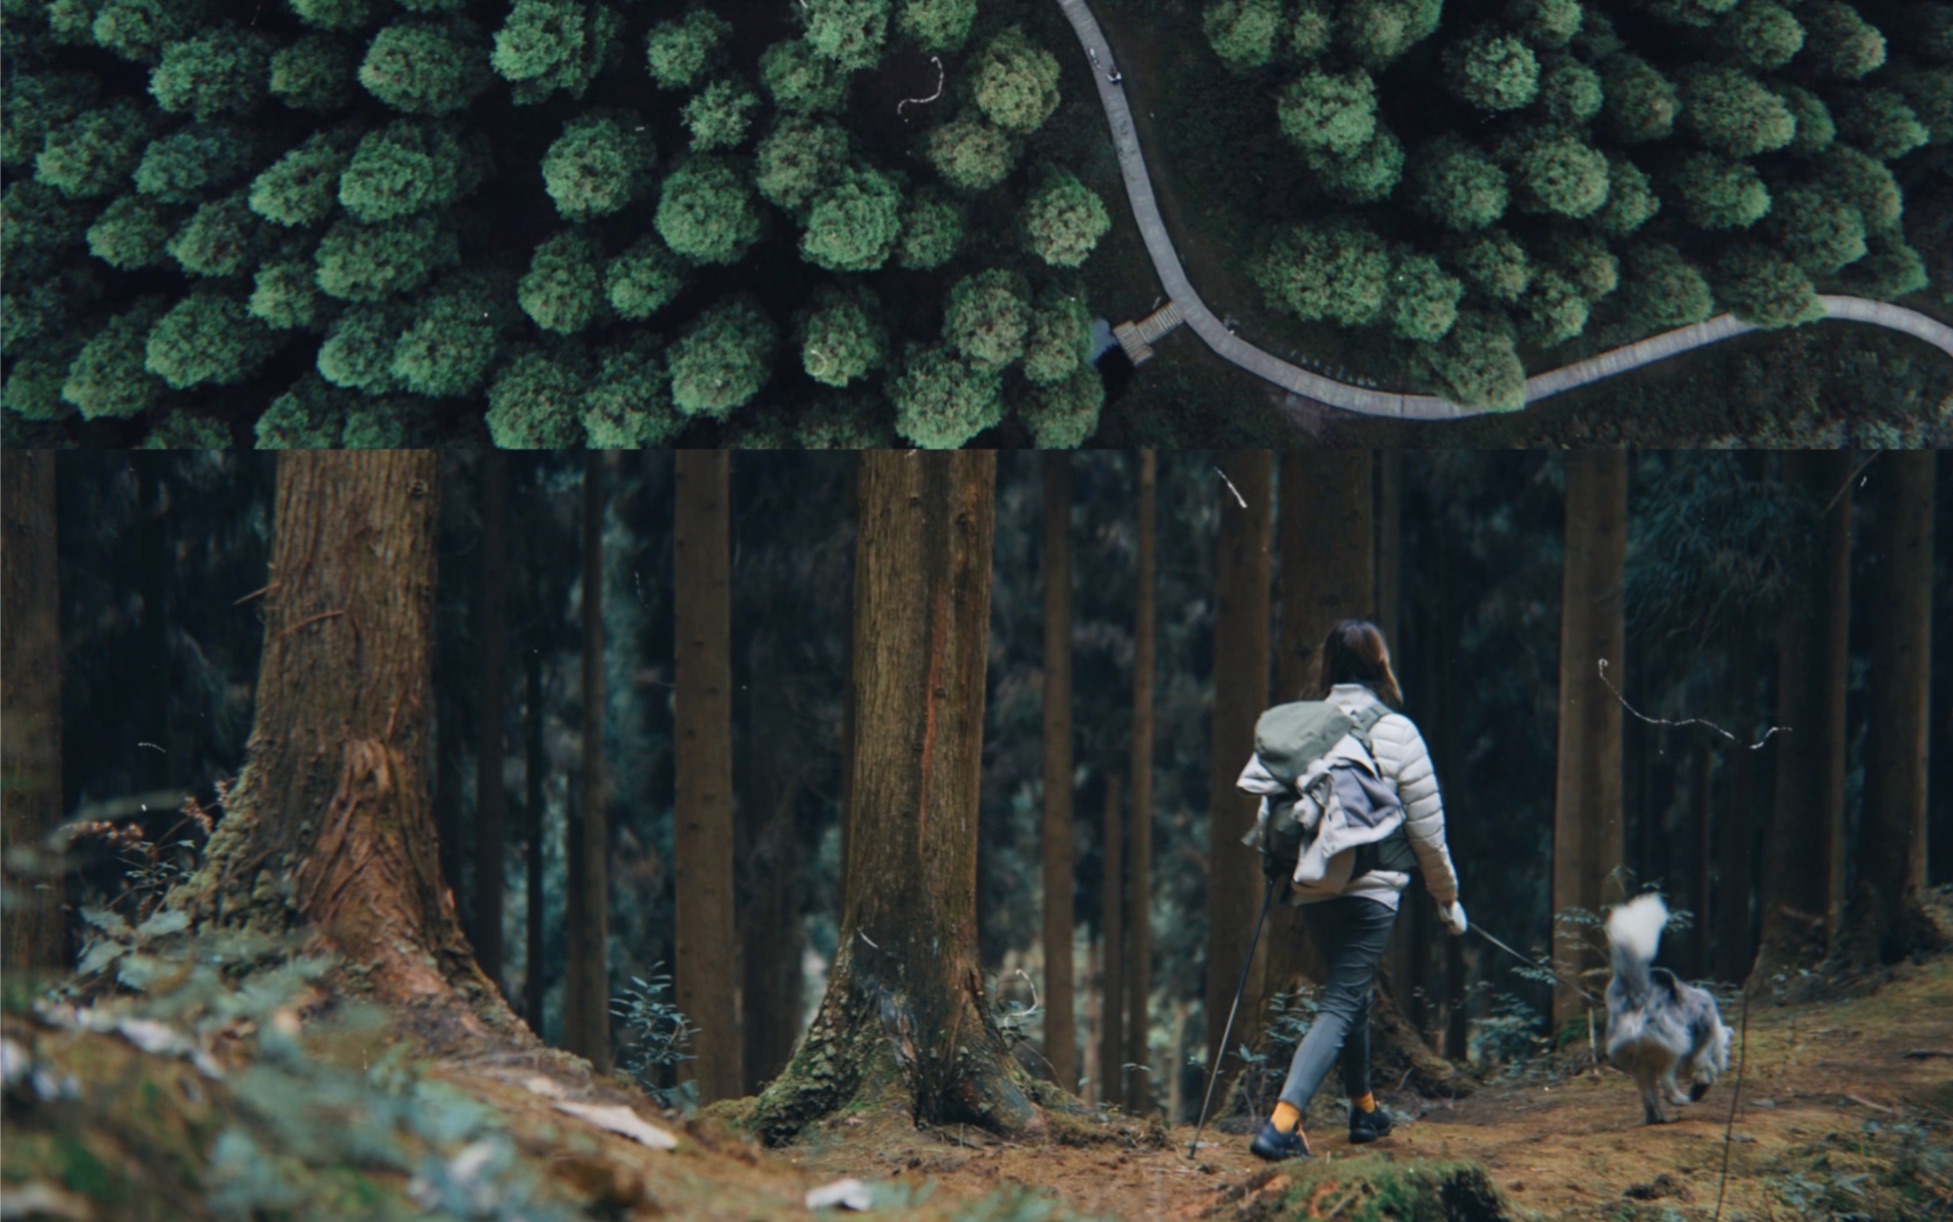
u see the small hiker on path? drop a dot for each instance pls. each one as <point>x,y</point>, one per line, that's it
<point>1350,809</point>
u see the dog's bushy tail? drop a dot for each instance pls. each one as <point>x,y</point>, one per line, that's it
<point>1634,933</point>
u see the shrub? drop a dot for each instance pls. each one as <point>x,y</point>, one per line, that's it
<point>427,67</point>
<point>564,288</point>
<point>1492,71</point>
<point>224,71</point>
<point>1062,415</point>
<point>1329,111</point>
<point>1063,220</point>
<point>600,165</point>
<point>722,360</point>
<point>208,338</point>
<point>1456,185</point>
<point>942,401</point>
<point>721,115</point>
<point>679,53</point>
<point>842,341</point>
<point>643,280</point>
<point>988,317</point>
<point>1016,82</point>
<point>855,224</point>
<point>706,211</point>
<point>970,154</point>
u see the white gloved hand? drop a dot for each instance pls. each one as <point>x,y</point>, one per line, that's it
<point>1453,916</point>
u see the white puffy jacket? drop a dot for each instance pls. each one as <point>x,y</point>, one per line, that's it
<point>1406,765</point>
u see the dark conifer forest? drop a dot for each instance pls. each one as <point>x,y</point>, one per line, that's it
<point>462,834</point>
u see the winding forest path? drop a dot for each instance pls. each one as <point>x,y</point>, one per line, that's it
<point>1389,403</point>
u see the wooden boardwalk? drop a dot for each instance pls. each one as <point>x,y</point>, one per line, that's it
<point>1389,403</point>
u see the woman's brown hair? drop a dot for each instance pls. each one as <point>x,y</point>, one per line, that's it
<point>1354,652</point>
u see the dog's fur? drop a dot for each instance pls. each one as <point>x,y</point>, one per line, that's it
<point>1659,1030</point>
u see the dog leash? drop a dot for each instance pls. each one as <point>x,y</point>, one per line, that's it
<point>1530,962</point>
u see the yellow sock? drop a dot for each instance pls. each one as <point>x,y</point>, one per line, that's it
<point>1288,1117</point>
<point>1365,1102</point>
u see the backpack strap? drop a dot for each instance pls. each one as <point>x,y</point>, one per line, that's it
<point>1366,720</point>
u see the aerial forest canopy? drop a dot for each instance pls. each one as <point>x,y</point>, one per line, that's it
<point>1486,179</point>
<point>349,222</point>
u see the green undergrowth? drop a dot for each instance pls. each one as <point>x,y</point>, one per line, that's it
<point>1379,1188</point>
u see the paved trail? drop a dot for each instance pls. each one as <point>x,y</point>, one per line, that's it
<point>1390,403</point>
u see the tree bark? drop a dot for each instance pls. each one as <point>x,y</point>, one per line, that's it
<point>330,825</point>
<point>30,712</point>
<point>491,817</point>
<point>1140,1095</point>
<point>1060,1033</point>
<point>152,578</point>
<point>586,985</point>
<point>905,1019</point>
<point>1835,634</point>
<point>1886,923</point>
<point>1234,883</point>
<point>536,976</point>
<point>707,966</point>
<point>1796,878</point>
<point>1587,834</point>
<point>1329,559</point>
<point>1112,1031</point>
<point>1735,892</point>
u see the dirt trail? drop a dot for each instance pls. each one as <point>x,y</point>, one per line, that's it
<point>1815,1075</point>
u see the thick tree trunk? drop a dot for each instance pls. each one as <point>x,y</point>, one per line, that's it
<point>905,1020</point>
<point>30,712</point>
<point>1140,1095</point>
<point>768,915</point>
<point>1834,635</point>
<point>1796,877</point>
<point>707,969</point>
<point>1885,922</point>
<point>491,798</point>
<point>1328,541</point>
<point>1587,834</point>
<point>535,773</point>
<point>1112,1027</point>
<point>586,983</point>
<point>330,825</point>
<point>1060,1034</point>
<point>1234,883</point>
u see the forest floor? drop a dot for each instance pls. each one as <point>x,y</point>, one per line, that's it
<point>1846,1111</point>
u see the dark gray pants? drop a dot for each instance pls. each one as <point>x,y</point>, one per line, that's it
<point>1352,932</point>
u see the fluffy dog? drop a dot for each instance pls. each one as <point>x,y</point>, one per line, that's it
<point>1659,1030</point>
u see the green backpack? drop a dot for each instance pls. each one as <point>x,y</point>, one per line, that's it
<point>1289,739</point>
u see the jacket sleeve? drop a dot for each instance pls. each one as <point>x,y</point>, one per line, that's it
<point>1406,763</point>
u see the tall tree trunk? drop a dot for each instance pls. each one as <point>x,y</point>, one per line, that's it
<point>1796,877</point>
<point>1329,561</point>
<point>1234,884</point>
<point>768,915</point>
<point>1060,1034</point>
<point>1735,891</point>
<point>330,825</point>
<point>1587,834</point>
<point>1140,1095</point>
<point>1886,922</point>
<point>491,798</point>
<point>904,1020</point>
<point>536,977</point>
<point>586,983</point>
<point>1834,635</point>
<point>152,576</point>
<point>707,968</point>
<point>1702,789</point>
<point>1112,1027</point>
<point>30,712</point>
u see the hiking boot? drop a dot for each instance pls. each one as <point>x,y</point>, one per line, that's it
<point>1367,1126</point>
<point>1274,1145</point>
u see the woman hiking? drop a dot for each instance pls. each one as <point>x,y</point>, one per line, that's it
<point>1350,894</point>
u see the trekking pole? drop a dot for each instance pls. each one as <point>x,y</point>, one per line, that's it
<point>1214,1071</point>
